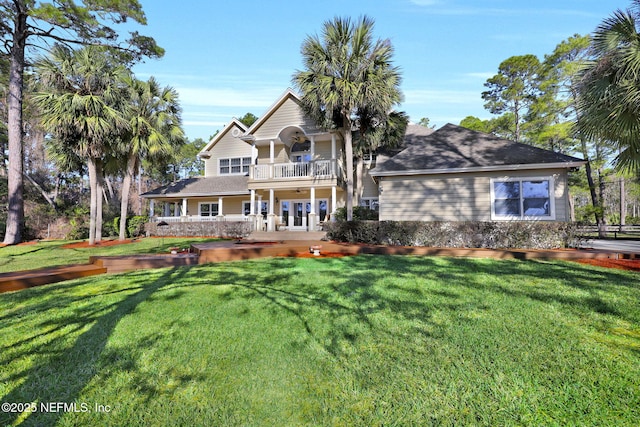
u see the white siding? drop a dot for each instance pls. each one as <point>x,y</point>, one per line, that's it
<point>228,146</point>
<point>460,197</point>
<point>288,114</point>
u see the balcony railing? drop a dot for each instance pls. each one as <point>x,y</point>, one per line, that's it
<point>313,169</point>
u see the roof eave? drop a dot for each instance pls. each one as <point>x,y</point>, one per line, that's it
<point>183,195</point>
<point>496,168</point>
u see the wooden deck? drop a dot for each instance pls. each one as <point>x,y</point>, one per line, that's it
<point>204,253</point>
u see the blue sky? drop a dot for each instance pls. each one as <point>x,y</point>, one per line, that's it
<point>228,58</point>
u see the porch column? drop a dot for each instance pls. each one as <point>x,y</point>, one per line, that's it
<point>272,155</point>
<point>220,213</point>
<point>259,218</point>
<point>313,155</point>
<point>252,208</point>
<point>176,209</point>
<point>252,211</point>
<point>334,200</point>
<point>333,154</point>
<point>151,208</point>
<point>312,211</point>
<point>184,206</point>
<point>166,209</point>
<point>271,217</point>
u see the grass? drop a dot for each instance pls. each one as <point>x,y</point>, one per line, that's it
<point>52,253</point>
<point>367,340</point>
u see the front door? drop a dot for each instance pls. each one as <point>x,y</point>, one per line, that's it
<point>300,215</point>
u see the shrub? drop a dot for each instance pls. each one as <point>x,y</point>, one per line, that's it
<point>360,213</point>
<point>466,234</point>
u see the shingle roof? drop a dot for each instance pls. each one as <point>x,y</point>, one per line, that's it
<point>201,186</point>
<point>454,148</point>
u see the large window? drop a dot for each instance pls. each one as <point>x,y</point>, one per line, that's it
<point>208,209</point>
<point>522,198</point>
<point>234,166</point>
<point>370,203</point>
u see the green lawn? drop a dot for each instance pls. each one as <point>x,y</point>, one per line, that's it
<point>367,340</point>
<point>51,253</point>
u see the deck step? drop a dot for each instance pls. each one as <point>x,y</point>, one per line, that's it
<point>17,280</point>
<point>278,236</point>
<point>119,264</point>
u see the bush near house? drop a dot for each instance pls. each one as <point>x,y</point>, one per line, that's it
<point>491,235</point>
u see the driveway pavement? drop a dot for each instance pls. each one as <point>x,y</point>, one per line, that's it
<point>624,246</point>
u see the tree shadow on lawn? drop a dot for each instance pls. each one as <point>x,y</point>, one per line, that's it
<point>333,299</point>
<point>61,375</point>
<point>359,287</point>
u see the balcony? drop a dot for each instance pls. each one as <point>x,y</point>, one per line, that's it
<point>278,171</point>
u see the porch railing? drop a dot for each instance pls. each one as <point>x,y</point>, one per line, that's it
<point>313,169</point>
<point>199,218</point>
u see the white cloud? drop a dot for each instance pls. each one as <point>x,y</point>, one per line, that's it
<point>425,2</point>
<point>481,75</point>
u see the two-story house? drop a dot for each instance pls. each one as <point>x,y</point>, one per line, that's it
<point>285,173</point>
<point>282,172</point>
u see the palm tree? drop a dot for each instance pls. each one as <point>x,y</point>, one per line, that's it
<point>610,86</point>
<point>154,119</point>
<point>345,72</point>
<point>81,105</point>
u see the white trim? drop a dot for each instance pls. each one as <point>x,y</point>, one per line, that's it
<point>230,166</point>
<point>233,124</point>
<point>210,204</point>
<point>552,199</point>
<point>496,168</point>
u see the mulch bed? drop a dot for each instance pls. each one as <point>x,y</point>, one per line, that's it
<point>102,243</point>
<point>620,264</point>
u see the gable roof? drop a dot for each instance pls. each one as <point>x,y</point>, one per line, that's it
<point>203,186</point>
<point>454,149</point>
<point>233,124</point>
<point>289,93</point>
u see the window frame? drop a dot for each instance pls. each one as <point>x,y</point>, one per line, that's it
<point>211,209</point>
<point>368,202</point>
<point>521,196</point>
<point>229,164</point>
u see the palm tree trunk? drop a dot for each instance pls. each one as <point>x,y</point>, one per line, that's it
<point>99,199</point>
<point>348,154</point>
<point>93,189</point>
<point>124,196</point>
<point>15,214</point>
<point>359,184</point>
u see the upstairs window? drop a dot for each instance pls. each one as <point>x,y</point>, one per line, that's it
<point>234,166</point>
<point>301,152</point>
<point>522,198</point>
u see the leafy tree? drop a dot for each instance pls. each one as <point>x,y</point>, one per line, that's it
<point>373,136</point>
<point>247,120</point>
<point>154,128</point>
<point>426,122</point>
<point>187,160</point>
<point>513,89</point>
<point>345,72</point>
<point>81,106</point>
<point>34,23</point>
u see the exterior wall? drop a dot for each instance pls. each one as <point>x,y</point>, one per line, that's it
<point>228,146</point>
<point>288,114</point>
<point>281,152</point>
<point>370,187</point>
<point>230,205</point>
<point>459,197</point>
